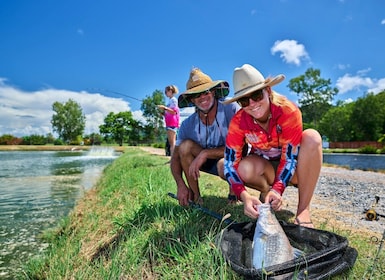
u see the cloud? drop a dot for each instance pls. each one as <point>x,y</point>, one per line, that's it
<point>25,113</point>
<point>343,66</point>
<point>291,51</point>
<point>360,82</point>
<point>383,21</point>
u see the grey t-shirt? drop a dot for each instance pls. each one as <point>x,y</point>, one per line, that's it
<point>210,136</point>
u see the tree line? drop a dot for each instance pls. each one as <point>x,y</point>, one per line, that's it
<point>360,120</point>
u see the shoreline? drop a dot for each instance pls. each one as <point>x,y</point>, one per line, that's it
<point>341,197</point>
<point>56,148</point>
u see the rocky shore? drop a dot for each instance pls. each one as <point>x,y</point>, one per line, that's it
<point>341,197</point>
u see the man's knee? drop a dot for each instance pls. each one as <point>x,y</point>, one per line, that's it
<point>185,148</point>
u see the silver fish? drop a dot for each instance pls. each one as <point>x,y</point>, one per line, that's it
<point>270,244</point>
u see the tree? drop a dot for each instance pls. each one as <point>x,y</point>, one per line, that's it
<point>367,118</point>
<point>336,124</point>
<point>154,117</point>
<point>120,127</point>
<point>69,121</point>
<point>315,95</point>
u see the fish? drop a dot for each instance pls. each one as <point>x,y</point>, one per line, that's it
<point>270,243</point>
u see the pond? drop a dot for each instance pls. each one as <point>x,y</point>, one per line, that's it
<point>37,189</point>
<point>373,162</point>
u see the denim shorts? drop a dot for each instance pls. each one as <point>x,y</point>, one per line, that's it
<point>173,128</point>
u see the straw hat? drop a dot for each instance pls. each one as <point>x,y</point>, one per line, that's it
<point>200,82</point>
<point>247,79</point>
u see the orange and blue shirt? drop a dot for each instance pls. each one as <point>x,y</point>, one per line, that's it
<point>280,143</point>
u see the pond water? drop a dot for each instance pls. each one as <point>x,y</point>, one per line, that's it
<point>37,189</point>
<point>357,161</point>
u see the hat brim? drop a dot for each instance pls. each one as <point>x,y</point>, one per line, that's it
<point>244,92</point>
<point>184,100</point>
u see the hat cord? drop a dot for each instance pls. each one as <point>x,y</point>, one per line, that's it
<point>207,124</point>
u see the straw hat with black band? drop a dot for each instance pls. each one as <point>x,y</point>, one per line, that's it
<point>201,82</point>
<point>247,79</point>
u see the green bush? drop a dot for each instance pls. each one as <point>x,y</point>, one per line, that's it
<point>58,142</point>
<point>367,150</point>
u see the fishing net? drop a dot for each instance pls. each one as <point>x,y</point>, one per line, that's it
<point>325,253</point>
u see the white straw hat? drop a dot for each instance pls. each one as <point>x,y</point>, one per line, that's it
<point>247,79</point>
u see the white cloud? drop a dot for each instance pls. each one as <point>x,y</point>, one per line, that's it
<point>383,21</point>
<point>343,66</point>
<point>24,113</point>
<point>360,82</point>
<point>291,51</point>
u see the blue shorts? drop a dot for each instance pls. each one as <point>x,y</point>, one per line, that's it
<point>210,166</point>
<point>173,128</point>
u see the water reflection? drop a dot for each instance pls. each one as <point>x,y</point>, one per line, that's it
<point>37,189</point>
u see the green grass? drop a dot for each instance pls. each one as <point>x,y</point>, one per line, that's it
<point>127,227</point>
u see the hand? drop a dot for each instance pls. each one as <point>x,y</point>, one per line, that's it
<point>183,194</point>
<point>275,200</point>
<point>194,169</point>
<point>250,205</point>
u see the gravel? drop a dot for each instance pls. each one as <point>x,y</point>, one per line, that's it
<point>342,196</point>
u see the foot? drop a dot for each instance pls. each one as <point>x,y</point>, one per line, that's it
<point>308,224</point>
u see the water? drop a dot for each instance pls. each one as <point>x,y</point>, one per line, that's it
<point>357,161</point>
<point>37,189</point>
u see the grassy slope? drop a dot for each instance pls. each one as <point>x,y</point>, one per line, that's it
<point>128,228</point>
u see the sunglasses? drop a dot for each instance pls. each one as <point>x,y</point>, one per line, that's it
<point>255,96</point>
<point>204,93</point>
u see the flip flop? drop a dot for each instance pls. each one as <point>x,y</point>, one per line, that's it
<point>304,224</point>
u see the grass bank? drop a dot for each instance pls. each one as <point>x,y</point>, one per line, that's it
<point>128,228</point>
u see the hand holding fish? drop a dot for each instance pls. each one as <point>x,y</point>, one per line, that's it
<point>250,205</point>
<point>274,199</point>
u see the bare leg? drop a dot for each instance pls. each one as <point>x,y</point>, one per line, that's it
<point>188,150</point>
<point>256,173</point>
<point>308,171</point>
<point>171,136</point>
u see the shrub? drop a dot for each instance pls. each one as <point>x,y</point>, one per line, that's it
<point>367,150</point>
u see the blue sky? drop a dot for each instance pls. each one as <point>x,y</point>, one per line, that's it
<point>99,52</point>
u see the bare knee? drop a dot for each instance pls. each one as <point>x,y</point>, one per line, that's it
<point>248,170</point>
<point>311,139</point>
<point>185,148</point>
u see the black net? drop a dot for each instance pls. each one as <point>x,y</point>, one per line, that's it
<point>325,253</point>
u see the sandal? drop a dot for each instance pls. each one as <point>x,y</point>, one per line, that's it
<point>303,224</point>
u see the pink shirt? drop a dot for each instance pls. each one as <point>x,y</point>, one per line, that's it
<point>172,120</point>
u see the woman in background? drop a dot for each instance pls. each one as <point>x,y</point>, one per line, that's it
<point>171,115</point>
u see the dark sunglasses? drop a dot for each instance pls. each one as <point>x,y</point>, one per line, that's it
<point>204,93</point>
<point>255,96</point>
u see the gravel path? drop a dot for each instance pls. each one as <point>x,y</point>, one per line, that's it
<point>342,195</point>
<point>340,198</point>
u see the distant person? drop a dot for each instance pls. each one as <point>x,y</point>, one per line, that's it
<point>266,147</point>
<point>171,115</point>
<point>201,138</point>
